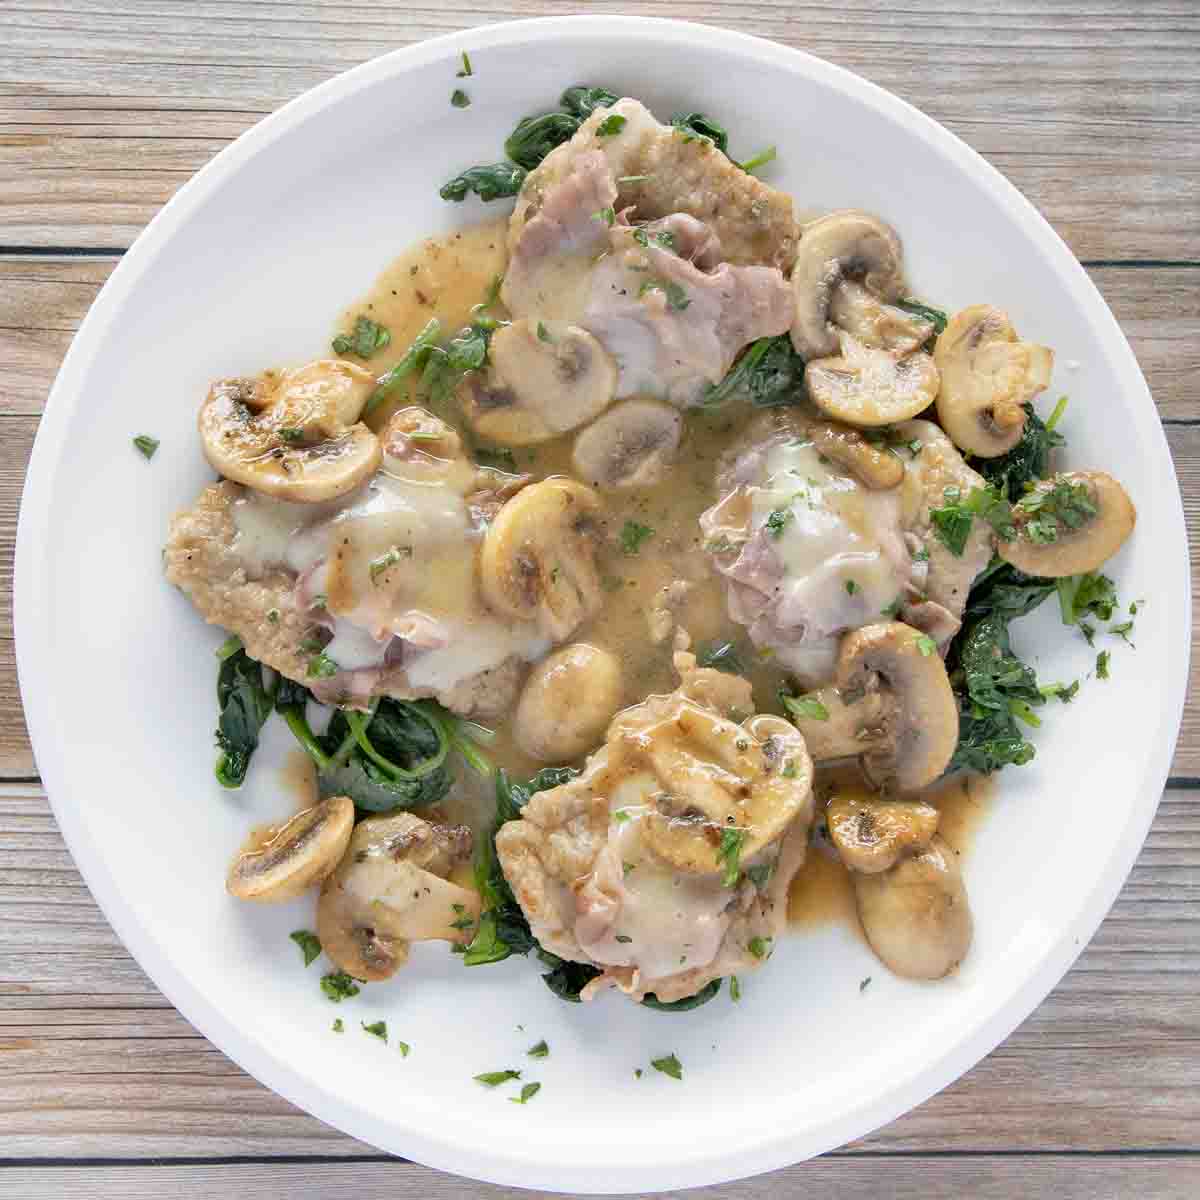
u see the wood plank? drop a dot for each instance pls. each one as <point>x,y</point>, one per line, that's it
<point>922,1177</point>
<point>43,300</point>
<point>95,1063</point>
<point>16,438</point>
<point>109,106</point>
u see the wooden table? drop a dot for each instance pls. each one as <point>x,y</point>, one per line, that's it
<point>107,106</point>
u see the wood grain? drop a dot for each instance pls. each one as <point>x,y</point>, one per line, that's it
<point>984,1177</point>
<point>94,1063</point>
<point>108,106</point>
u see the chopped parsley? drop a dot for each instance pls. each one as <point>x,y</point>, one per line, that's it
<point>804,708</point>
<point>1063,691</point>
<point>273,615</point>
<point>1079,596</point>
<point>543,333</point>
<point>1122,631</point>
<point>404,1048</point>
<point>378,566</point>
<point>921,555</point>
<point>339,1026</point>
<point>760,947</point>
<point>664,238</point>
<point>309,943</point>
<point>677,298</point>
<point>892,609</point>
<point>632,535</point>
<point>952,522</point>
<point>461,919</point>
<point>339,986</point>
<point>1047,513</point>
<point>466,67</point>
<point>612,124</point>
<point>926,645</point>
<point>758,160</point>
<point>321,666</point>
<point>851,587</point>
<point>528,1091</point>
<point>460,99</point>
<point>606,215</point>
<point>146,444</point>
<point>866,983</point>
<point>376,1029</point>
<point>723,656</point>
<point>777,521</point>
<point>1102,661</point>
<point>620,816</point>
<point>367,338</point>
<point>623,938</point>
<point>496,1078</point>
<point>668,1065</point>
<point>730,854</point>
<point>735,988</point>
<point>541,1050</point>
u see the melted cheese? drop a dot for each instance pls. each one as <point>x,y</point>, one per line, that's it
<point>395,559</point>
<point>658,920</point>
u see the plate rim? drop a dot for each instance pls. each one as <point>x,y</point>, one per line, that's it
<point>705,1165</point>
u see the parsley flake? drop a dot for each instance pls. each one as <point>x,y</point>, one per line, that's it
<point>366,339</point>
<point>668,1065</point>
<point>760,947</point>
<point>376,1029</point>
<point>310,945</point>
<point>805,708</point>
<point>541,1050</point>
<point>1102,661</point>
<point>496,1078</point>
<point>730,854</point>
<point>632,535</point>
<point>777,521</point>
<point>147,445</point>
<point>466,67</point>
<point>339,986</point>
<point>460,99</point>
<point>926,645</point>
<point>735,988</point>
<point>527,1093</point>
<point>611,124</point>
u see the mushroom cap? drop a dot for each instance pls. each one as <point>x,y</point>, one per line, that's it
<point>544,378</point>
<point>864,316</point>
<point>916,915</point>
<point>987,376</point>
<point>1074,550</point>
<point>714,777</point>
<point>389,890</point>
<point>922,724</point>
<point>630,446</point>
<point>868,387</point>
<point>299,854</point>
<point>871,834</point>
<point>837,245</point>
<point>568,700</point>
<point>538,560</point>
<point>297,436</point>
<point>874,466</point>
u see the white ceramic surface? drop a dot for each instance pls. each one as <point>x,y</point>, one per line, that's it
<point>248,266</point>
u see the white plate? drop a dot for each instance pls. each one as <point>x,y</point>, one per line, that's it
<point>248,266</point>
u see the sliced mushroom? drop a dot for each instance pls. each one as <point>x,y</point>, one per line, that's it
<point>890,703</point>
<point>538,561</point>
<point>874,466</point>
<point>840,245</point>
<point>545,378</point>
<point>916,915</point>
<point>390,889</point>
<point>862,386</point>
<point>299,854</point>
<point>988,376</point>
<point>716,777</point>
<point>1070,524</point>
<point>297,435</point>
<point>871,835</point>
<point>630,446</point>
<point>870,321</point>
<point>568,701</point>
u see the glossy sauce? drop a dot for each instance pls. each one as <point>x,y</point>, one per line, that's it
<point>445,278</point>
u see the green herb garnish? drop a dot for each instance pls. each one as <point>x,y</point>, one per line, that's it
<point>1102,661</point>
<point>147,445</point>
<point>633,535</point>
<point>339,986</point>
<point>309,943</point>
<point>612,124</point>
<point>366,339</point>
<point>760,947</point>
<point>460,99</point>
<point>376,1029</point>
<point>805,708</point>
<point>528,1091</point>
<point>668,1065</point>
<point>540,1050</point>
<point>496,1078</point>
<point>729,854</point>
<point>777,521</point>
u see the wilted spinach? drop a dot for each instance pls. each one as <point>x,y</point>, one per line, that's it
<point>492,181</point>
<point>1027,462</point>
<point>768,374</point>
<point>245,704</point>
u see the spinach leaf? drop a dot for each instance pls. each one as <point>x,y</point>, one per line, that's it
<point>723,656</point>
<point>927,313</point>
<point>493,181</point>
<point>1027,462</point>
<point>581,101</point>
<point>1004,590</point>
<point>534,137</point>
<point>566,979</point>
<point>703,996</point>
<point>245,704</point>
<point>697,124</point>
<point>768,374</point>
